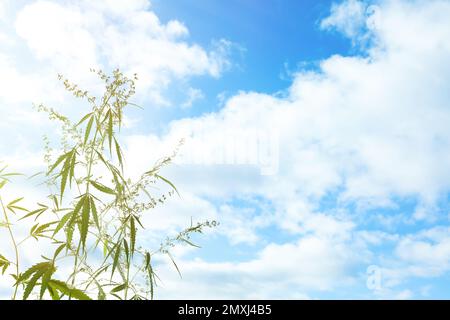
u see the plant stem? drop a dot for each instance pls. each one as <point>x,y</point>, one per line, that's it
<point>89,169</point>
<point>128,278</point>
<point>89,172</point>
<point>13,240</point>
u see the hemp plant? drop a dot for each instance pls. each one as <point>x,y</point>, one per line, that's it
<point>92,216</point>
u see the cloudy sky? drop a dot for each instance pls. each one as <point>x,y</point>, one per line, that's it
<point>317,133</point>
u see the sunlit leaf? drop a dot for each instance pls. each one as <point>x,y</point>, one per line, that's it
<point>83,119</point>
<point>62,222</point>
<point>119,153</point>
<point>88,129</point>
<point>102,188</point>
<point>85,214</point>
<point>116,259</point>
<point>132,235</point>
<point>168,182</point>
<point>68,291</point>
<point>94,213</point>
<point>110,129</point>
<point>119,288</point>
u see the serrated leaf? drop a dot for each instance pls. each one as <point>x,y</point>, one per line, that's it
<point>110,130</point>
<point>85,221</point>
<point>88,129</point>
<point>80,204</point>
<point>72,167</point>
<point>60,159</point>
<point>69,233</point>
<point>53,293</point>
<point>105,249</point>
<point>44,282</point>
<point>39,266</point>
<point>54,198</point>
<point>127,252</point>
<point>12,208</point>
<point>116,259</point>
<point>58,251</point>
<point>94,213</point>
<point>62,222</point>
<point>32,283</point>
<point>12,205</point>
<point>149,269</point>
<point>4,264</point>
<point>36,212</point>
<point>119,153</point>
<point>83,119</point>
<point>66,290</point>
<point>14,201</point>
<point>64,174</point>
<point>36,272</point>
<point>102,187</point>
<point>132,235</point>
<point>40,229</point>
<point>33,228</point>
<point>119,288</point>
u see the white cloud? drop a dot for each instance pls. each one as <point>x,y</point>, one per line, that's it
<point>193,95</point>
<point>16,87</point>
<point>427,253</point>
<point>371,129</point>
<point>44,38</point>
<point>279,271</point>
<point>374,126</point>
<point>72,37</point>
<point>176,29</point>
<point>54,31</point>
<point>117,7</point>
<point>347,17</point>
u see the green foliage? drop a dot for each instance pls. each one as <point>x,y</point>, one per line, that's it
<point>4,264</point>
<point>93,209</point>
<point>64,289</point>
<point>42,271</point>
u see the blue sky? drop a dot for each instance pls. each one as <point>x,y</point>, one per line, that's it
<point>270,42</point>
<point>348,99</point>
